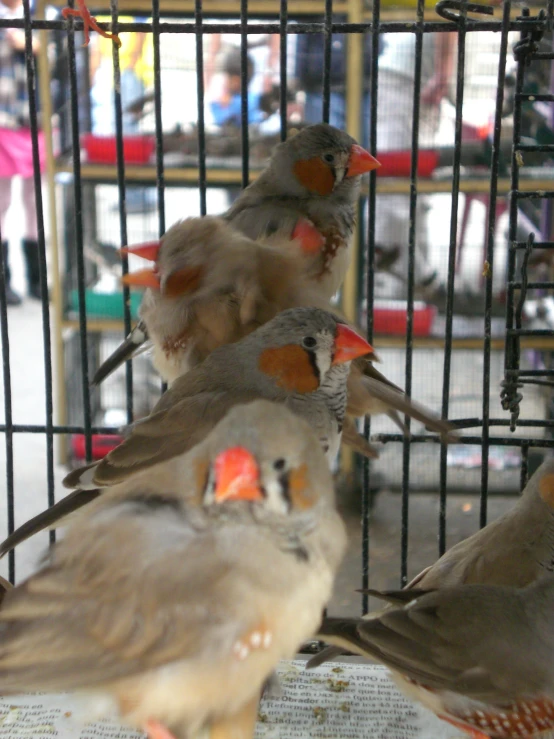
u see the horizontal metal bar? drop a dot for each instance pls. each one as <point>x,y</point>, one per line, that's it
<point>467,423</point>
<point>530,373</point>
<point>529,332</point>
<point>536,245</point>
<point>115,430</point>
<point>274,28</point>
<point>473,440</point>
<point>543,97</point>
<point>530,285</point>
<point>24,428</point>
<point>535,147</point>
<point>533,193</point>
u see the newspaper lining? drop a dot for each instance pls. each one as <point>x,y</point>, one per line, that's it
<point>338,700</point>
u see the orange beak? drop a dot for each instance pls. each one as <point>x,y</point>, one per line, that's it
<point>146,251</point>
<point>349,345</point>
<point>311,241</point>
<point>142,278</point>
<point>360,161</point>
<point>237,476</point>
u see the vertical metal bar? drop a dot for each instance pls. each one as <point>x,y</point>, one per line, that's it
<point>200,103</point>
<point>488,267</point>
<point>511,357</point>
<point>57,309</point>
<point>46,334</point>
<point>244,92</point>
<point>160,176</point>
<point>406,444</point>
<point>524,475</point>
<point>122,205</point>
<point>370,284</point>
<point>283,18</point>
<point>6,372</point>
<point>353,99</point>
<point>327,47</point>
<point>451,268</point>
<point>79,240</point>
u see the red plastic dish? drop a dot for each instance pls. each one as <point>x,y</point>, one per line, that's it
<point>102,149</point>
<point>398,163</point>
<point>102,444</point>
<point>390,317</point>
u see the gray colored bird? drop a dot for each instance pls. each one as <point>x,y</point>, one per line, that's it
<point>515,550</point>
<point>480,656</point>
<point>172,606</point>
<point>300,359</point>
<point>314,176</point>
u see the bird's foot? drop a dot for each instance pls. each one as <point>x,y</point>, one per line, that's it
<point>155,730</point>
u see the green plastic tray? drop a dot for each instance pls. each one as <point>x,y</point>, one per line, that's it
<point>104,305</point>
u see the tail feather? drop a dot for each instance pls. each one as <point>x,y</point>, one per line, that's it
<point>400,402</point>
<point>48,519</point>
<point>134,344</point>
<point>326,655</point>
<point>395,597</point>
<point>342,634</point>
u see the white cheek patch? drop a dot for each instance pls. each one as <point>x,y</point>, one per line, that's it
<point>209,492</point>
<point>340,173</point>
<point>274,497</point>
<point>324,353</point>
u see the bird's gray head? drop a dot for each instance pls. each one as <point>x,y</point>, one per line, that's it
<point>298,347</point>
<point>263,452</point>
<point>320,160</point>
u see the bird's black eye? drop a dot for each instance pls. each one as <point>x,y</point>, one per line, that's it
<point>279,464</point>
<point>328,158</point>
<point>308,342</point>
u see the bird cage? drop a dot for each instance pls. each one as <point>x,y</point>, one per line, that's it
<point>471,337</point>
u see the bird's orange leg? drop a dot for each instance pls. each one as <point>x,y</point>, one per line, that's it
<point>155,730</point>
<point>89,22</point>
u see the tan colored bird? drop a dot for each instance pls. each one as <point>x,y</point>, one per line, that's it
<point>312,177</point>
<point>300,359</point>
<point>515,550</point>
<point>210,285</point>
<point>480,656</point>
<point>174,614</point>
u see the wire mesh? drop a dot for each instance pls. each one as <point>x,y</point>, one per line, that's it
<point>192,160</point>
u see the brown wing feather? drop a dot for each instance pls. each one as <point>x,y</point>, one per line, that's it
<point>90,617</point>
<point>166,434</point>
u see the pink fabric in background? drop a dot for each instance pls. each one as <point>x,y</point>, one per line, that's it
<point>16,152</point>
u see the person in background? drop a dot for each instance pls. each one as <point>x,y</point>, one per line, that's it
<point>137,74</point>
<point>310,54</point>
<point>227,109</point>
<point>263,51</point>
<point>16,154</point>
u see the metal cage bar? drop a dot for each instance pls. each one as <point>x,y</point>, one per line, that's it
<point>489,428</point>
